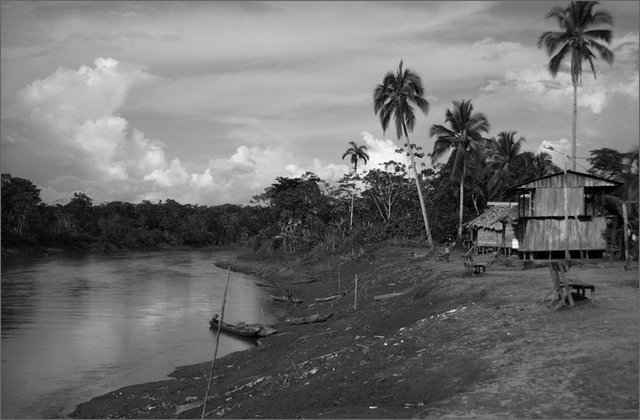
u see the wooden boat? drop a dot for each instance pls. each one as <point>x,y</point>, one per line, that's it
<point>286,299</point>
<point>265,285</point>
<point>242,329</point>
<point>329,298</point>
<point>308,319</point>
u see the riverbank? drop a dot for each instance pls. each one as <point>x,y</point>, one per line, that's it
<point>421,339</point>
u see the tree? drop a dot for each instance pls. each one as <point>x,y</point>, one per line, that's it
<point>464,139</point>
<point>579,38</point>
<point>606,163</point>
<point>20,198</point>
<point>503,159</point>
<point>357,153</point>
<point>385,187</point>
<point>393,99</point>
<point>536,166</point>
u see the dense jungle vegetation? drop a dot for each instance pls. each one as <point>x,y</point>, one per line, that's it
<point>296,215</point>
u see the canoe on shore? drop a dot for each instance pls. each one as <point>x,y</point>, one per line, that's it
<point>265,285</point>
<point>285,299</point>
<point>329,298</point>
<point>308,319</point>
<point>242,329</point>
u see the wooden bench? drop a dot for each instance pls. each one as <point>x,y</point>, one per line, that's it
<point>563,289</point>
<point>471,267</point>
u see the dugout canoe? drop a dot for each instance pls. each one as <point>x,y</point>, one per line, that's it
<point>242,329</point>
<point>285,299</point>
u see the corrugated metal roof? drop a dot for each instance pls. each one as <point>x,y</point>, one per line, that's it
<point>574,179</point>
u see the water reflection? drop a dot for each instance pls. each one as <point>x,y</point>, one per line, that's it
<point>75,328</point>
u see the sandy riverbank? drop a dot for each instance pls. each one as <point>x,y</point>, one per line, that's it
<point>449,345</point>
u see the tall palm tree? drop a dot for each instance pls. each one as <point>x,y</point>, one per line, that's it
<point>579,38</point>
<point>503,159</point>
<point>464,139</point>
<point>393,98</point>
<point>357,153</point>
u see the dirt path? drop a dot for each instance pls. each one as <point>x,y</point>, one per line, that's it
<point>449,346</point>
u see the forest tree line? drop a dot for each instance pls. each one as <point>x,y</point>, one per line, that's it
<point>298,214</point>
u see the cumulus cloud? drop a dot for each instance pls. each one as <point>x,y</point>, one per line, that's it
<point>380,151</point>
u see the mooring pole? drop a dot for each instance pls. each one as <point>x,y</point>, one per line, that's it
<point>215,353</point>
<point>355,294</point>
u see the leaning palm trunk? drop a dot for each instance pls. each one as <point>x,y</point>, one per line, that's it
<point>422,205</point>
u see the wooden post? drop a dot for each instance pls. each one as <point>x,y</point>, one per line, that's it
<point>355,294</point>
<point>338,280</point>
<point>215,353</point>
<point>579,236</point>
<point>625,218</point>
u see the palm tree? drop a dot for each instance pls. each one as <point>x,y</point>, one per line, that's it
<point>357,153</point>
<point>503,158</point>
<point>393,98</point>
<point>464,139</point>
<point>579,37</point>
<point>536,166</point>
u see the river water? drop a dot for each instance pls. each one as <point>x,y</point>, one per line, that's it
<point>74,328</point>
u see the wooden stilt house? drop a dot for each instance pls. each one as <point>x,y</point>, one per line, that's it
<point>493,230</point>
<point>543,204</point>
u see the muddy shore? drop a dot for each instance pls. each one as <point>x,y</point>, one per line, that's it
<point>420,339</point>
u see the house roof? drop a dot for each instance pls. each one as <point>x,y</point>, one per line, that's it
<point>495,216</point>
<point>574,179</point>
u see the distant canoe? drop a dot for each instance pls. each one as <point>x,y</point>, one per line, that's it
<point>329,298</point>
<point>265,285</point>
<point>308,319</point>
<point>242,329</point>
<point>285,299</point>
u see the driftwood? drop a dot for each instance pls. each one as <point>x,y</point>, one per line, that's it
<point>308,319</point>
<point>389,295</point>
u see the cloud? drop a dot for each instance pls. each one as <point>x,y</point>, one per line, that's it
<point>553,93</point>
<point>380,151</point>
<point>490,50</point>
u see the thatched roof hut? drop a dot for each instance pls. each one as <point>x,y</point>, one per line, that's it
<point>495,216</point>
<point>494,229</point>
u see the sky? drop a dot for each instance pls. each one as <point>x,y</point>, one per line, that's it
<point>208,102</point>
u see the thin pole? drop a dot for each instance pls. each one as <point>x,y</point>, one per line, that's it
<point>566,213</point>
<point>355,294</point>
<point>625,218</point>
<point>215,353</point>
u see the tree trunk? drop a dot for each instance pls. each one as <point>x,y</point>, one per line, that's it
<point>422,205</point>
<point>351,218</point>
<point>573,125</point>
<point>565,201</point>
<point>461,204</point>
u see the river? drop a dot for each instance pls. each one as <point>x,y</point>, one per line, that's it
<point>74,328</point>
